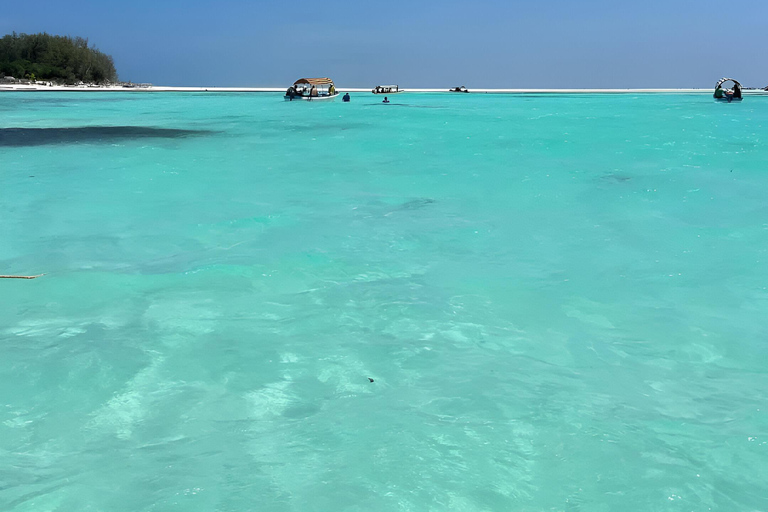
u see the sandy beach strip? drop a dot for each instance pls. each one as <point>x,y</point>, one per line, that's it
<point>159,88</point>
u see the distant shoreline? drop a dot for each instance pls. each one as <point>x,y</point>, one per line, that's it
<point>153,88</point>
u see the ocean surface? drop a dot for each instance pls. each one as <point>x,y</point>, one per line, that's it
<point>447,303</point>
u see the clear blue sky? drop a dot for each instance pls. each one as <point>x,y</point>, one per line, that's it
<point>587,43</point>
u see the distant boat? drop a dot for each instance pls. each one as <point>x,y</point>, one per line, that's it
<point>729,95</point>
<point>459,89</point>
<point>387,89</point>
<point>312,89</point>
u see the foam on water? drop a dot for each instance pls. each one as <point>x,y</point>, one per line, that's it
<point>559,298</point>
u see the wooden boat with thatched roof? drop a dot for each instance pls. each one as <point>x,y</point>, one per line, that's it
<point>729,95</point>
<point>311,89</point>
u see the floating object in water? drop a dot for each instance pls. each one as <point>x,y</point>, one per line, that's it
<point>22,277</point>
<point>370,379</point>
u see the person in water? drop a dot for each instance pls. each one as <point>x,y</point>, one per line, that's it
<point>346,97</point>
<point>385,100</point>
<point>719,92</point>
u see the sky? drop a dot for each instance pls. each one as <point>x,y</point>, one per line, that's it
<point>430,44</point>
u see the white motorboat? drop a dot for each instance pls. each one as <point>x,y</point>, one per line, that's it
<point>387,89</point>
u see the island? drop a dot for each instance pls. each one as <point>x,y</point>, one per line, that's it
<point>57,59</point>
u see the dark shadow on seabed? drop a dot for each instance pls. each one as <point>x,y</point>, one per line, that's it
<point>20,137</point>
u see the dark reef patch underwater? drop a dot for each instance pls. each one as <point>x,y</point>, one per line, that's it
<point>23,137</point>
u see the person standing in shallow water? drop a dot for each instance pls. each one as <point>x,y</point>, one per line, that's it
<point>385,100</point>
<point>346,97</point>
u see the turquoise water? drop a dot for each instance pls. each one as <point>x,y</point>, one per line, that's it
<point>561,300</point>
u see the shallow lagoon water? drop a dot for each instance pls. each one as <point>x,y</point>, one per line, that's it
<point>561,301</point>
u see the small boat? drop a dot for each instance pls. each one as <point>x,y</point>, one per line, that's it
<point>312,89</point>
<point>387,89</point>
<point>459,89</point>
<point>729,95</point>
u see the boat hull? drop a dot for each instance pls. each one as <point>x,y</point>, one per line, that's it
<point>311,98</point>
<point>726,100</point>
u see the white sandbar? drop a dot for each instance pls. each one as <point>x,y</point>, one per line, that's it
<point>158,88</point>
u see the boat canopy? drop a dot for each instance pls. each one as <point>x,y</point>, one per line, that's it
<point>723,80</point>
<point>313,81</point>
<point>731,94</point>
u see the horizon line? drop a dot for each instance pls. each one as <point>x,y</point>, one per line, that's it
<point>162,88</point>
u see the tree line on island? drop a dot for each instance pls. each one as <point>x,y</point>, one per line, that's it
<point>59,59</point>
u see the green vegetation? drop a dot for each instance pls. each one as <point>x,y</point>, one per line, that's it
<point>55,58</point>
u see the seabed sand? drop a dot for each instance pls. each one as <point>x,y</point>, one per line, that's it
<point>92,88</point>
